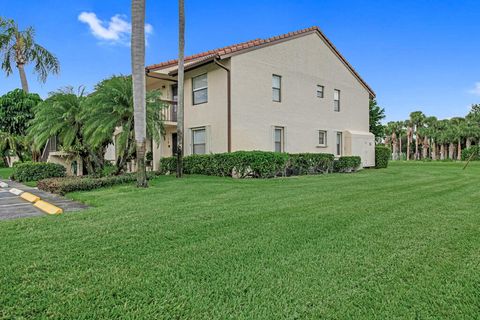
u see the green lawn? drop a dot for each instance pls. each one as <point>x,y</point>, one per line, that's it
<point>5,172</point>
<point>402,242</point>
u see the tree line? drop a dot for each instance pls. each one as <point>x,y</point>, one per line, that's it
<point>426,137</point>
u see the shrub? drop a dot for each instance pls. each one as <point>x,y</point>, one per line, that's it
<point>347,164</point>
<point>309,163</point>
<point>33,171</point>
<point>257,164</point>
<point>468,152</point>
<point>69,184</point>
<point>382,154</point>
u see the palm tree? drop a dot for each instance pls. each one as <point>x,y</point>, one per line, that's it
<point>19,48</point>
<point>401,133</point>
<point>409,125</point>
<point>60,116</point>
<point>139,90</point>
<point>427,131</point>
<point>417,118</point>
<point>110,110</point>
<point>180,114</point>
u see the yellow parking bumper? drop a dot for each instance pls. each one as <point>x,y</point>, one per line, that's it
<point>48,207</point>
<point>29,197</point>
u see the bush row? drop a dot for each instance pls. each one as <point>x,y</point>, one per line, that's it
<point>69,184</point>
<point>473,152</point>
<point>260,164</point>
<point>382,155</point>
<point>33,171</point>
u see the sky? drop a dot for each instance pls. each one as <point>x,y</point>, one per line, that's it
<point>415,54</point>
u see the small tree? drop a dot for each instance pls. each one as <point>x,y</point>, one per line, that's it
<point>16,112</point>
<point>377,114</point>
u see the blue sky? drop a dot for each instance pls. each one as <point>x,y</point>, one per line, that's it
<point>416,55</point>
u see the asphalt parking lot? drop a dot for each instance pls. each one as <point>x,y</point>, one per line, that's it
<point>12,206</point>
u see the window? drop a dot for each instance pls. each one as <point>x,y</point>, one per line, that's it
<point>320,91</point>
<point>336,100</point>
<point>322,138</point>
<point>339,144</point>
<point>200,89</point>
<point>199,141</point>
<point>174,92</point>
<point>276,88</point>
<point>279,139</point>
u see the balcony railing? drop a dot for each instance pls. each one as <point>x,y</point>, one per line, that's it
<point>169,112</point>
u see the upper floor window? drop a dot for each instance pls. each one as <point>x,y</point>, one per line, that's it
<point>199,140</point>
<point>276,88</point>
<point>336,100</point>
<point>322,138</point>
<point>174,92</point>
<point>200,89</point>
<point>279,139</point>
<point>320,91</point>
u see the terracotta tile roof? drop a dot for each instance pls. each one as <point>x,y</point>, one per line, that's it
<point>237,48</point>
<point>230,49</point>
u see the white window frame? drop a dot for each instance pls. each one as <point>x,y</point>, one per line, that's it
<point>275,88</point>
<point>338,144</point>
<point>324,132</point>
<point>320,91</point>
<point>282,139</point>
<point>336,102</point>
<point>193,139</point>
<point>199,89</point>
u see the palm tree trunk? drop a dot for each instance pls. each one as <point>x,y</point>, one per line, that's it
<point>459,150</point>
<point>433,151</point>
<point>442,151</point>
<point>139,90</point>
<point>425,148</point>
<point>400,147</point>
<point>409,141</point>
<point>451,151</point>
<point>416,144</point>
<point>181,82</point>
<point>468,143</point>
<point>23,76</point>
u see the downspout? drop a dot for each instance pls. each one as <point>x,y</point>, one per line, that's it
<point>229,105</point>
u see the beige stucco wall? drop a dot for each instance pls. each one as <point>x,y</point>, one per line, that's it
<point>213,114</point>
<point>303,63</point>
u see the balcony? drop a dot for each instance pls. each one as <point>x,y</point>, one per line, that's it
<point>169,112</point>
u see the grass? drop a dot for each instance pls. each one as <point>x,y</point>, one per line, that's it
<point>5,172</point>
<point>403,242</point>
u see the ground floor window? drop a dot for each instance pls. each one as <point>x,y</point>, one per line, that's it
<point>322,138</point>
<point>199,140</point>
<point>339,144</point>
<point>279,139</point>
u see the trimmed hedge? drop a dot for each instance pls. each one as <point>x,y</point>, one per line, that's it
<point>347,164</point>
<point>33,171</point>
<point>257,164</point>
<point>467,153</point>
<point>309,163</point>
<point>382,155</point>
<point>69,184</point>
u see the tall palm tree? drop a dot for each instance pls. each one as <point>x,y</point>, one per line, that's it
<point>401,133</point>
<point>19,48</point>
<point>109,110</point>
<point>139,90</point>
<point>409,125</point>
<point>426,131</point>
<point>181,74</point>
<point>417,118</point>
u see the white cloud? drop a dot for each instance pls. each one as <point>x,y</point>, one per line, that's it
<point>115,31</point>
<point>476,89</point>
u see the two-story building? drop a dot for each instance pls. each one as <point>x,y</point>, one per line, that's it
<point>291,93</point>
